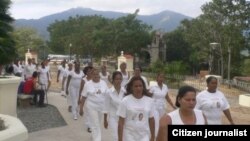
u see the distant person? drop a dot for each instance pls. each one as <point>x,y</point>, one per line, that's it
<point>213,102</point>
<point>186,114</point>
<point>136,113</point>
<point>105,75</point>
<point>31,86</point>
<point>137,73</point>
<point>125,74</point>
<point>43,75</point>
<point>73,88</point>
<point>60,71</point>
<point>113,99</point>
<point>88,75</point>
<point>64,83</point>
<point>160,95</point>
<point>17,68</point>
<point>93,97</point>
<point>29,69</point>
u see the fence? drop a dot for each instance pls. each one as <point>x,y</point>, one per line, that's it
<point>175,81</point>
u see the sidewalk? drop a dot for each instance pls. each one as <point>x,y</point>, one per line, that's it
<point>73,131</point>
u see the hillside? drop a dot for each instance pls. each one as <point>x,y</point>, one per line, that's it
<point>166,20</point>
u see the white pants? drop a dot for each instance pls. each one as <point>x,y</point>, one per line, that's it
<point>113,125</point>
<point>74,94</point>
<point>86,118</point>
<point>159,112</point>
<point>95,122</point>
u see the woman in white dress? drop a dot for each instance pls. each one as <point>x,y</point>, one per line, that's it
<point>93,97</point>
<point>88,70</point>
<point>74,81</point>
<point>104,74</point>
<point>113,99</point>
<point>64,84</point>
<point>136,113</point>
<point>213,102</point>
<point>160,95</point>
<point>125,74</point>
<point>43,75</point>
<point>184,115</point>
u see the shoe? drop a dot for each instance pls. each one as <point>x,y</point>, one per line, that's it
<point>75,117</point>
<point>89,130</point>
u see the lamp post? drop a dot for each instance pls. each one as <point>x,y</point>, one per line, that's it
<point>70,45</point>
<point>213,46</point>
<point>229,66</point>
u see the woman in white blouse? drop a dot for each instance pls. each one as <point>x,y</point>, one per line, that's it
<point>94,96</point>
<point>43,75</point>
<point>213,102</point>
<point>125,74</point>
<point>113,99</point>
<point>104,74</point>
<point>74,83</point>
<point>136,113</point>
<point>160,95</point>
<point>184,115</point>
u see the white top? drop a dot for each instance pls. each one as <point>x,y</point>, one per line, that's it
<point>62,70</point>
<point>43,75</point>
<point>76,79</point>
<point>136,113</point>
<point>17,69</point>
<point>125,78</point>
<point>66,74</point>
<point>86,80</point>
<point>159,95</point>
<point>95,94</point>
<point>207,102</point>
<point>28,70</point>
<point>113,100</point>
<point>176,118</point>
<point>105,78</point>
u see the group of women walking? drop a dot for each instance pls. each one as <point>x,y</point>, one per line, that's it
<point>135,111</point>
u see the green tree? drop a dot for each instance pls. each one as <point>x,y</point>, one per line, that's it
<point>222,21</point>
<point>27,38</point>
<point>99,36</point>
<point>7,48</point>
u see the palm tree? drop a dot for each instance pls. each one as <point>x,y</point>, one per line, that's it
<point>7,48</point>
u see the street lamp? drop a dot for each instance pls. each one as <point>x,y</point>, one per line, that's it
<point>213,46</point>
<point>70,45</point>
<point>229,66</point>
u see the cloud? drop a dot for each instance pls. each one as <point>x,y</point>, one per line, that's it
<point>39,8</point>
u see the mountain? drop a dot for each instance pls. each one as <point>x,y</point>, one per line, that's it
<point>166,20</point>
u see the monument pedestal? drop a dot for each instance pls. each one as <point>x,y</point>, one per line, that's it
<point>244,100</point>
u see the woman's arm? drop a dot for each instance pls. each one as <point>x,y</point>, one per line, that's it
<point>67,85</point>
<point>228,115</point>
<point>163,128</point>
<point>83,99</point>
<point>120,128</point>
<point>152,128</point>
<point>169,101</point>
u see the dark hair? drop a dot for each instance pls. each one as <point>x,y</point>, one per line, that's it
<point>130,85</point>
<point>210,78</point>
<point>35,74</point>
<point>139,67</point>
<point>86,69</point>
<point>182,92</point>
<point>115,73</point>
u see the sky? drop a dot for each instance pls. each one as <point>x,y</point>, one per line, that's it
<point>35,9</point>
